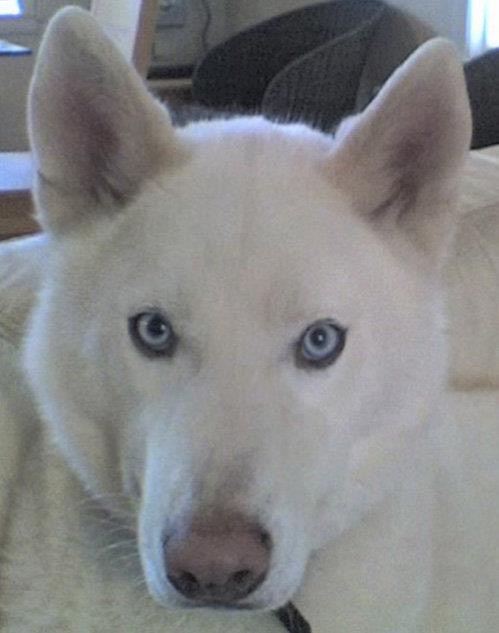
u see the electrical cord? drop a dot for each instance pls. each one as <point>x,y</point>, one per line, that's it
<point>206,26</point>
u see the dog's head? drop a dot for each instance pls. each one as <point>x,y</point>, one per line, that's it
<point>239,325</point>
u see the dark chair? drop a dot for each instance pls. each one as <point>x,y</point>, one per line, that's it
<point>482,78</point>
<point>303,65</point>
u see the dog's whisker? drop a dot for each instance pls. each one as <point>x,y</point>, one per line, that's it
<point>118,545</point>
<point>132,557</point>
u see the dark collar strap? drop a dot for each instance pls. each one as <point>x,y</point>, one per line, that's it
<point>292,619</point>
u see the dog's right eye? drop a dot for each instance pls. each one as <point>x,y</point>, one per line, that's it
<point>152,333</point>
<point>320,344</point>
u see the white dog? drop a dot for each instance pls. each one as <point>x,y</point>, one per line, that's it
<point>238,348</point>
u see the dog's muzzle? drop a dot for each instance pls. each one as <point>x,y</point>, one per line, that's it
<point>217,562</point>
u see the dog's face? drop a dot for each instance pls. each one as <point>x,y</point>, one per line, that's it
<point>239,325</point>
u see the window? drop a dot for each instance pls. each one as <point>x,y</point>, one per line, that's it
<point>10,8</point>
<point>483,25</point>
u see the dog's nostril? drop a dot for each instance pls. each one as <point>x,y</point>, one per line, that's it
<point>265,539</point>
<point>189,579</point>
<point>186,583</point>
<point>241,577</point>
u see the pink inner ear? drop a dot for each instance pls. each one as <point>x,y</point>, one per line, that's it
<point>399,161</point>
<point>95,143</point>
<point>409,168</point>
<point>95,131</point>
<point>414,133</point>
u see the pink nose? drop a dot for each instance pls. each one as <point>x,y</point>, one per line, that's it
<point>218,562</point>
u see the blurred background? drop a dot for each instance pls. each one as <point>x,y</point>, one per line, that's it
<point>186,30</point>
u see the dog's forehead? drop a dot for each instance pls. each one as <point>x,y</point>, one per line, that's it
<point>248,187</point>
<point>252,216</point>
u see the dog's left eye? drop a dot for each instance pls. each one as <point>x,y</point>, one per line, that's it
<point>152,333</point>
<point>320,344</point>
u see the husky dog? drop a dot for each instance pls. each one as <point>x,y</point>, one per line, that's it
<point>240,332</point>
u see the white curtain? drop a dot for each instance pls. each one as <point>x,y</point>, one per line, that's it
<point>483,25</point>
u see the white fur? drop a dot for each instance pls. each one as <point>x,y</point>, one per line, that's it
<point>244,232</point>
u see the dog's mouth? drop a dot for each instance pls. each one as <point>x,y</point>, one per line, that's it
<point>220,606</point>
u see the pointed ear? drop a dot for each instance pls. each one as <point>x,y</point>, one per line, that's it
<point>400,159</point>
<point>95,131</point>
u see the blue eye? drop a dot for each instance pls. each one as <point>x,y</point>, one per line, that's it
<point>320,344</point>
<point>152,333</point>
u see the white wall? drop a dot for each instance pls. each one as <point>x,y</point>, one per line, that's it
<point>184,46</point>
<point>446,17</point>
<point>241,13</point>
